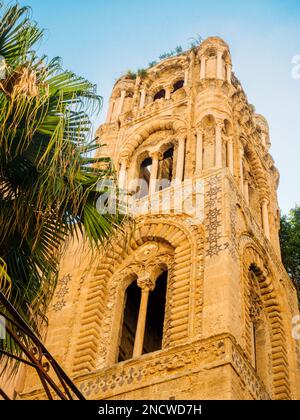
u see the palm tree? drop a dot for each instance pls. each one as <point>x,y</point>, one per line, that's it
<point>48,179</point>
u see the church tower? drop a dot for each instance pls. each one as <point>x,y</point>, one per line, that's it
<point>191,300</point>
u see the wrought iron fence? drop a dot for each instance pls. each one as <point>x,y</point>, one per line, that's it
<point>30,351</point>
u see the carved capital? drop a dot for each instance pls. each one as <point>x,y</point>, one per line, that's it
<point>255,309</point>
<point>156,155</point>
<point>146,282</point>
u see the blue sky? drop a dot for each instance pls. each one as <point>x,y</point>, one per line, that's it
<point>101,39</point>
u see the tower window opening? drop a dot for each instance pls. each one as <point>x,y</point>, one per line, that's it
<point>166,169</point>
<point>145,175</point>
<point>178,85</point>
<point>160,95</point>
<point>156,315</point>
<point>131,312</point>
<point>153,334</point>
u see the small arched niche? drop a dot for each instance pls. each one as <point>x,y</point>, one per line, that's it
<point>161,94</point>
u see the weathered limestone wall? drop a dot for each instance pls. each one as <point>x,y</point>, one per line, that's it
<point>227,332</point>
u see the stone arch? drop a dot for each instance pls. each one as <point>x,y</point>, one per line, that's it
<point>184,306</point>
<point>252,257</point>
<point>135,140</point>
<point>259,171</point>
<point>167,141</point>
<point>133,268</point>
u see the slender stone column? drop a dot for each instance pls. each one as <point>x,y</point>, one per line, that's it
<point>147,286</point>
<point>143,98</point>
<point>180,159</point>
<point>265,217</point>
<point>121,103</point>
<point>230,156</point>
<point>154,172</point>
<point>241,152</point>
<point>110,110</point>
<point>122,175</point>
<point>263,139</point>
<point>228,73</point>
<point>202,68</point>
<point>199,152</point>
<point>168,92</point>
<point>219,128</point>
<point>219,65</point>
<point>246,190</point>
<point>186,77</point>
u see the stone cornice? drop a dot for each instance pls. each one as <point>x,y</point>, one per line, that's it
<point>168,364</point>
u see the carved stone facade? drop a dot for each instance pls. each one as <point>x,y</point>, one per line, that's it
<point>207,224</point>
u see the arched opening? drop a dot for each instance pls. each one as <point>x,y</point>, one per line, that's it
<point>166,169</point>
<point>259,329</point>
<point>144,177</point>
<point>156,315</point>
<point>178,85</point>
<point>130,318</point>
<point>159,95</point>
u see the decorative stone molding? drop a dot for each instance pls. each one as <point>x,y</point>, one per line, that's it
<point>132,144</point>
<point>165,365</point>
<point>97,324</point>
<point>269,298</point>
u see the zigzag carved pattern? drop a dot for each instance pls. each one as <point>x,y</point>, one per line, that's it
<point>96,323</point>
<point>281,382</point>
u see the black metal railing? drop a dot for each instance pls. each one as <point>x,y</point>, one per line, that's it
<point>30,351</point>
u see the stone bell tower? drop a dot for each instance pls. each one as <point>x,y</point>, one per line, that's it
<point>191,301</point>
